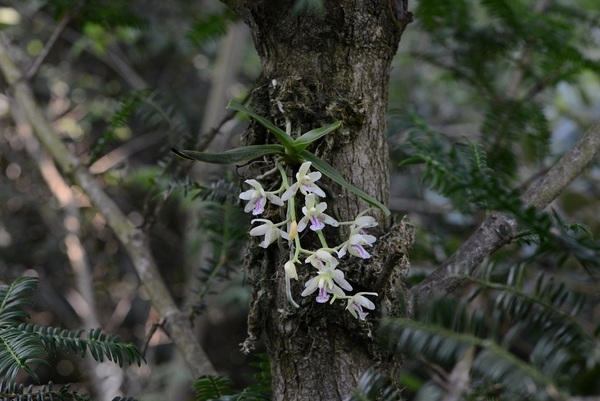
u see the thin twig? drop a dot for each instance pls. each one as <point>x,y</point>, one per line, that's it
<point>155,326</point>
<point>46,50</point>
<point>134,241</point>
<point>151,214</point>
<point>85,301</point>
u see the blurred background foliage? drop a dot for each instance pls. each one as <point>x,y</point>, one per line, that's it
<point>485,96</point>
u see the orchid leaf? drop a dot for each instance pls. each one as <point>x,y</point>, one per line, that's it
<point>332,173</point>
<point>306,139</point>
<point>236,155</point>
<point>281,135</point>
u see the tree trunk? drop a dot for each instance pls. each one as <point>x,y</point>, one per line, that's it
<point>318,68</point>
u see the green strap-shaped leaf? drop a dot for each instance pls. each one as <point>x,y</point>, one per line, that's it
<point>306,139</point>
<point>416,159</point>
<point>332,173</point>
<point>283,137</point>
<point>232,156</point>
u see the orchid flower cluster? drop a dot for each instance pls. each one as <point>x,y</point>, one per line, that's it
<point>327,279</point>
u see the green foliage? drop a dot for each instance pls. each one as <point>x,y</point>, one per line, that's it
<point>564,241</point>
<point>374,385</point>
<point>19,392</point>
<point>460,172</point>
<point>211,387</point>
<point>14,298</point>
<point>152,108</point>
<point>293,151</point>
<point>527,342</point>
<point>210,26</point>
<point>17,351</point>
<point>223,224</point>
<point>22,344</point>
<point>99,345</point>
<point>219,388</point>
<point>109,14</point>
<point>504,53</point>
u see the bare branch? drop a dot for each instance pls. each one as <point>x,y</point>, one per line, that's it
<point>133,239</point>
<point>499,229</point>
<point>82,300</point>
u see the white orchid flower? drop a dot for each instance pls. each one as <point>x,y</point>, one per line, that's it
<point>305,182</point>
<point>313,213</point>
<point>257,198</point>
<point>269,230</point>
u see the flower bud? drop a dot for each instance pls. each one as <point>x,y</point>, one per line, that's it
<point>293,230</point>
<point>290,270</point>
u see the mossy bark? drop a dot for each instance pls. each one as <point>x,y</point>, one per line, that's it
<point>318,68</point>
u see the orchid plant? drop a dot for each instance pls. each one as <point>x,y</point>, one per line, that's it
<point>327,281</point>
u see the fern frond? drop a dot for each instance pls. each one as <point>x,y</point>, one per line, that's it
<point>563,241</point>
<point>548,297</point>
<point>221,389</point>
<point>109,14</point>
<point>494,363</point>
<point>458,170</point>
<point>210,26</point>
<point>153,108</point>
<point>548,312</point>
<point>263,376</point>
<point>79,342</point>
<point>261,390</point>
<point>224,225</point>
<point>212,387</point>
<point>18,351</point>
<point>486,44</point>
<point>14,298</point>
<point>42,393</point>
<point>374,386</point>
<point>526,334</point>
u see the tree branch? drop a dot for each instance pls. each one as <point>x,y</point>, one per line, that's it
<point>85,301</point>
<point>499,229</point>
<point>133,239</point>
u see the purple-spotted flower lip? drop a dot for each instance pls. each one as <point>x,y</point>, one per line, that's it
<point>355,245</point>
<point>257,198</point>
<point>358,238</point>
<point>328,280</point>
<point>314,213</point>
<point>269,230</point>
<point>305,182</point>
<point>357,302</point>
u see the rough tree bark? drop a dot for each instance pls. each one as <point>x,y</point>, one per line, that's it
<point>318,68</point>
